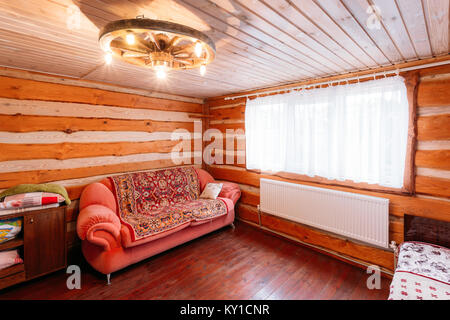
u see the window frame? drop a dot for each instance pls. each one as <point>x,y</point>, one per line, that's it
<point>411,83</point>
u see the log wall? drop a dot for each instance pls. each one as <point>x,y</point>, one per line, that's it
<point>74,133</point>
<point>431,173</point>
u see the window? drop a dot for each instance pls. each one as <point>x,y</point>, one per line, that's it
<point>352,132</point>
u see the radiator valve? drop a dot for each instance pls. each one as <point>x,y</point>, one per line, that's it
<point>394,247</point>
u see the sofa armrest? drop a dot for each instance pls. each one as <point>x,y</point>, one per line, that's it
<point>100,226</point>
<point>230,190</point>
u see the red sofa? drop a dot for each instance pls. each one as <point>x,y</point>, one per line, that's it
<point>106,241</point>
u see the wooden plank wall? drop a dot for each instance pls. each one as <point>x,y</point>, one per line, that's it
<point>432,173</point>
<point>51,131</point>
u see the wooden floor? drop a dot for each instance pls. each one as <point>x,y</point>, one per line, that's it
<point>244,263</point>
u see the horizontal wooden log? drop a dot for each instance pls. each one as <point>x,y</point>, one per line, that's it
<point>62,151</point>
<point>235,113</point>
<point>238,176</point>
<point>74,192</point>
<point>433,145</point>
<point>50,137</point>
<point>80,110</point>
<point>439,159</point>
<point>433,127</point>
<point>24,89</point>
<point>54,164</point>
<point>433,111</point>
<point>40,176</point>
<point>433,186</point>
<point>315,237</point>
<point>238,142</point>
<point>431,172</point>
<point>433,71</point>
<point>247,213</point>
<point>230,126</point>
<point>398,204</point>
<point>250,198</point>
<point>222,155</point>
<point>45,77</point>
<point>434,93</point>
<point>396,236</point>
<point>23,123</point>
<point>222,102</point>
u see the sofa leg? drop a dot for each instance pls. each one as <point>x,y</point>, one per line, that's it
<point>233,226</point>
<point>108,279</point>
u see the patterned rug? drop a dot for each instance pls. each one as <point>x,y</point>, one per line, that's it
<point>153,202</point>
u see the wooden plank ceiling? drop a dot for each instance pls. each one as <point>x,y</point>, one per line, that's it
<point>260,43</point>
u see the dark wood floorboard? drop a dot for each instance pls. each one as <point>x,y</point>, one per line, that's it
<point>244,263</point>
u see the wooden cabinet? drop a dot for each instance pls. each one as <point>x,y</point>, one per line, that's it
<point>44,242</point>
<point>42,245</point>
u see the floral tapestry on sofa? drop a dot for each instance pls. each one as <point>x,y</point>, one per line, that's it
<point>153,202</point>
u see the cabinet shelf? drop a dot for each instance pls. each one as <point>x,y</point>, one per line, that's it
<point>17,268</point>
<point>11,244</point>
<point>42,242</point>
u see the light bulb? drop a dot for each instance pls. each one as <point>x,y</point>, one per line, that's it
<point>130,39</point>
<point>198,49</point>
<point>161,72</point>
<point>202,69</point>
<point>108,57</point>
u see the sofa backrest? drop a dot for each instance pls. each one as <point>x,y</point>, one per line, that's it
<point>147,191</point>
<point>204,178</point>
<point>95,193</point>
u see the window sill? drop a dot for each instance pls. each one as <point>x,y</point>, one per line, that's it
<point>325,181</point>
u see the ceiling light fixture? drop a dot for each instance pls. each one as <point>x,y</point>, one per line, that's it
<point>159,45</point>
<point>130,39</point>
<point>202,69</point>
<point>198,49</point>
<point>108,57</point>
<point>161,72</point>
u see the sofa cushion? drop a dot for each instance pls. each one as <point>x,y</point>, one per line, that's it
<point>230,208</point>
<point>204,178</point>
<point>167,220</point>
<point>211,191</point>
<point>127,240</point>
<point>230,190</point>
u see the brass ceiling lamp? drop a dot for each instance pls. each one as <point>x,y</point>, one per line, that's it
<point>159,45</point>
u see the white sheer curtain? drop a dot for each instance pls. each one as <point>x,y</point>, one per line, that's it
<point>356,132</point>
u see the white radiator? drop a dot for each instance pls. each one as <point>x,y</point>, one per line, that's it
<point>352,215</point>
